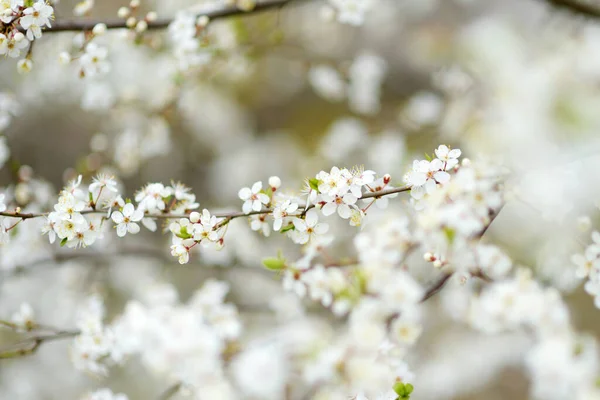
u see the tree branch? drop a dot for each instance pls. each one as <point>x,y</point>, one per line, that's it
<point>577,7</point>
<point>161,23</point>
<point>227,215</point>
<point>30,345</point>
<point>436,286</point>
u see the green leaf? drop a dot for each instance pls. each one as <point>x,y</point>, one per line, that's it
<point>63,242</point>
<point>314,184</point>
<point>428,157</point>
<point>268,192</point>
<point>403,390</point>
<point>450,234</point>
<point>399,388</point>
<point>183,233</point>
<point>273,263</point>
<point>289,227</point>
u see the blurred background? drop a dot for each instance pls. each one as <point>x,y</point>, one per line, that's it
<point>290,92</point>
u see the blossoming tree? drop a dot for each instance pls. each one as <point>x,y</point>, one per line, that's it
<point>424,246</point>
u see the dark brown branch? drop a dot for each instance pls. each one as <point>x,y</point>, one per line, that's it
<point>577,7</point>
<point>228,216</point>
<point>436,286</point>
<point>161,23</point>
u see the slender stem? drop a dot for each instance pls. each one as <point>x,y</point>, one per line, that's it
<point>161,23</point>
<point>170,391</point>
<point>30,345</point>
<point>9,324</point>
<point>436,286</point>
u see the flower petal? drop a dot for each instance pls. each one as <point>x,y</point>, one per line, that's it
<point>117,217</point>
<point>344,211</point>
<point>321,228</point>
<point>133,228</point>
<point>256,187</point>
<point>300,225</point>
<point>244,193</point>
<point>328,209</point>
<point>121,230</point>
<point>128,210</point>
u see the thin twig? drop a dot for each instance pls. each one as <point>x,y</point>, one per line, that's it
<point>30,345</point>
<point>161,23</point>
<point>170,391</point>
<point>577,7</point>
<point>436,286</point>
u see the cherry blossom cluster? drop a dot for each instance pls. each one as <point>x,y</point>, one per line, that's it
<point>381,302</point>
<point>426,175</point>
<point>186,33</point>
<point>188,342</point>
<point>90,57</point>
<point>588,266</point>
<point>199,228</point>
<point>79,216</point>
<point>18,16</point>
<point>95,348</point>
<point>453,216</point>
<point>558,350</point>
<point>133,22</point>
<point>335,192</point>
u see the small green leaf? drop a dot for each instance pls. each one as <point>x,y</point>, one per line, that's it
<point>403,390</point>
<point>314,184</point>
<point>63,242</point>
<point>289,227</point>
<point>428,157</point>
<point>274,264</point>
<point>399,388</point>
<point>450,234</point>
<point>268,192</point>
<point>183,233</point>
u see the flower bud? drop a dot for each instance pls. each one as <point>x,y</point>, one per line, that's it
<point>386,179</point>
<point>141,26</point>
<point>131,22</point>
<point>274,182</point>
<point>99,29</point>
<point>151,16</point>
<point>194,217</point>
<point>123,12</point>
<point>202,21</point>
<point>18,37</point>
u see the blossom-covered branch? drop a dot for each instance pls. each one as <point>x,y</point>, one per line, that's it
<point>162,23</point>
<point>227,215</point>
